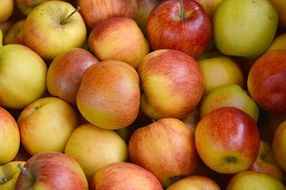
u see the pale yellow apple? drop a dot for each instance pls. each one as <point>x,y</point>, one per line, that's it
<point>15,34</point>
<point>22,76</point>
<point>9,137</point>
<point>252,180</point>
<point>9,174</point>
<point>46,125</point>
<point>279,42</point>
<point>26,6</point>
<point>279,145</point>
<point>219,71</point>
<point>6,9</point>
<point>210,5</point>
<point>94,148</point>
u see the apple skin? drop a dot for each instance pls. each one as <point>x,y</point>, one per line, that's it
<point>100,147</point>
<point>95,11</point>
<point>15,34</point>
<point>210,5</point>
<point>280,6</point>
<point>22,77</point>
<point>118,38</point>
<point>1,38</point>
<point>226,71</point>
<point>109,94</point>
<point>194,182</point>
<point>26,6</point>
<point>279,145</point>
<point>181,25</point>
<point>9,137</point>
<point>266,164</point>
<point>65,73</point>
<point>173,153</point>
<point>52,171</point>
<point>227,140</point>
<point>9,174</point>
<point>279,42</point>
<point>124,175</point>
<point>230,95</point>
<point>264,81</point>
<point>6,9</point>
<point>244,28</point>
<point>49,121</point>
<point>48,33</point>
<point>171,82</point>
<point>252,180</point>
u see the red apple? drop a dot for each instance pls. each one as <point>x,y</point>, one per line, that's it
<point>122,176</point>
<point>227,140</point>
<point>95,11</point>
<point>171,83</point>
<point>166,148</point>
<point>120,39</point>
<point>51,171</point>
<point>179,24</point>
<point>65,73</point>
<point>265,81</point>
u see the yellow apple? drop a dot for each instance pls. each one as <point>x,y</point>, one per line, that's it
<point>279,145</point>
<point>279,42</point>
<point>210,5</point>
<point>9,174</point>
<point>15,35</point>
<point>6,9</point>
<point>280,6</point>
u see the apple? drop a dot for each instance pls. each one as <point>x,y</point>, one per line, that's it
<point>279,145</point>
<point>280,6</point>
<point>1,38</point>
<point>264,81</point>
<point>265,162</point>
<point>229,95</point>
<point>51,171</point>
<point>6,25</point>
<point>9,174</point>
<point>166,148</point>
<point>194,182</point>
<point>279,42</point>
<point>220,70</point>
<point>95,11</point>
<point>15,34</point>
<point>54,27</point>
<point>22,77</point>
<point>124,175</point>
<point>65,73</point>
<point>120,39</point>
<point>210,5</point>
<point>249,180</point>
<point>22,155</point>
<point>192,119</point>
<point>244,28</point>
<point>26,6</point>
<point>94,148</point>
<point>144,9</point>
<point>109,94</point>
<point>171,83</point>
<point>181,25</point>
<point>227,140</point>
<point>6,10</point>
<point>9,137</point>
<point>49,122</point>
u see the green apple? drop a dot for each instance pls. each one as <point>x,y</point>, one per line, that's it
<point>219,71</point>
<point>9,174</point>
<point>22,76</point>
<point>279,145</point>
<point>244,28</point>
<point>230,95</point>
<point>249,180</point>
<point>9,137</point>
<point>6,9</point>
<point>49,122</point>
<point>15,34</point>
<point>100,147</point>
<point>54,27</point>
<point>210,5</point>
<point>279,42</point>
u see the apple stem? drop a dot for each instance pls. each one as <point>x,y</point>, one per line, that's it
<point>66,19</point>
<point>182,14</point>
<point>24,171</point>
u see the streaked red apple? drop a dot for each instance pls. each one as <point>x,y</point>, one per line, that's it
<point>279,145</point>
<point>124,175</point>
<point>227,140</point>
<point>172,84</point>
<point>166,148</point>
<point>65,73</point>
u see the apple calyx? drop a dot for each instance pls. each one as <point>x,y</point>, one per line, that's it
<point>25,172</point>
<point>230,160</point>
<point>7,174</point>
<point>65,20</point>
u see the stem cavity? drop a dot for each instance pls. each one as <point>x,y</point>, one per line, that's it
<point>65,20</point>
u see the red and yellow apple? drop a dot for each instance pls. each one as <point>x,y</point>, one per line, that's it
<point>279,145</point>
<point>227,140</point>
<point>172,84</point>
<point>65,73</point>
<point>9,174</point>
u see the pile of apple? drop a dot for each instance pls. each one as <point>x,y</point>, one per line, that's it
<point>143,95</point>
